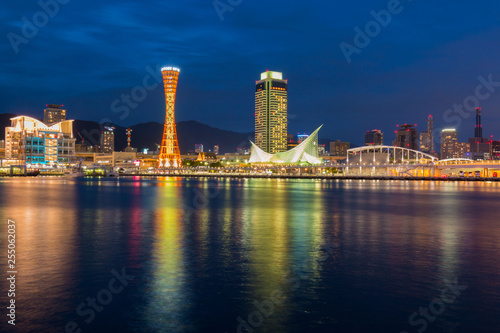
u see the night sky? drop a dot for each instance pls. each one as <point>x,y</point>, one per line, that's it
<point>427,57</point>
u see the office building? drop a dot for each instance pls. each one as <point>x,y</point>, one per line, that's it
<point>107,140</point>
<point>198,148</point>
<point>53,114</point>
<point>271,107</point>
<point>480,148</point>
<point>427,137</point>
<point>302,137</point>
<point>216,150</point>
<point>322,150</point>
<point>450,147</point>
<point>374,138</point>
<point>339,148</point>
<point>28,140</point>
<point>406,137</point>
<point>449,140</point>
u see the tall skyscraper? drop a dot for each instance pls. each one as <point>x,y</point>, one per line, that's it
<point>406,137</point>
<point>53,114</point>
<point>449,140</point>
<point>108,140</point>
<point>170,155</point>
<point>271,107</point>
<point>427,137</point>
<point>480,148</point>
<point>374,138</point>
<point>478,132</point>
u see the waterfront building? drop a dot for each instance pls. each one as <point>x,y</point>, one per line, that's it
<point>406,137</point>
<point>306,152</point>
<point>170,155</point>
<point>271,108</point>
<point>374,138</point>
<point>54,113</point>
<point>29,140</point>
<point>107,140</point>
<point>339,148</point>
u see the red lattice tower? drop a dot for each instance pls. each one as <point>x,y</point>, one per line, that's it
<point>169,152</point>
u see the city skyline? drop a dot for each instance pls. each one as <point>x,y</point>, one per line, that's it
<point>395,79</point>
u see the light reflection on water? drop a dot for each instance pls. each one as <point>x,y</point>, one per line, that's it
<point>204,250</point>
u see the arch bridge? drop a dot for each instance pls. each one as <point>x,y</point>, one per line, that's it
<point>389,160</point>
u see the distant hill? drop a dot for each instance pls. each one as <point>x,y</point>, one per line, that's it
<point>147,135</point>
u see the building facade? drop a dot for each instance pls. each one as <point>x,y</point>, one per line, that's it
<point>54,114</point>
<point>406,137</point>
<point>339,148</point>
<point>271,112</point>
<point>374,138</point>
<point>480,148</point>
<point>427,137</point>
<point>107,141</point>
<point>31,141</point>
<point>449,141</point>
<point>198,148</point>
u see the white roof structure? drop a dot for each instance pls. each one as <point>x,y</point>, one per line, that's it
<point>307,151</point>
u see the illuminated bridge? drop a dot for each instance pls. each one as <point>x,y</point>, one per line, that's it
<point>397,161</point>
<point>389,161</point>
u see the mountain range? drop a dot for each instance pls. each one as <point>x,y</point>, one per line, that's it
<point>148,135</point>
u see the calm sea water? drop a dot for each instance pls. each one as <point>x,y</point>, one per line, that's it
<point>199,255</point>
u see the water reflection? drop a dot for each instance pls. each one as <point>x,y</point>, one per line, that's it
<point>206,250</point>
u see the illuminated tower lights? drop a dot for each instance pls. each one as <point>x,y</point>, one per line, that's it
<point>169,152</point>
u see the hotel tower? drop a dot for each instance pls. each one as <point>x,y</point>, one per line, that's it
<point>271,101</point>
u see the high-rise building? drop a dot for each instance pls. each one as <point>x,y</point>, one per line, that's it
<point>339,148</point>
<point>374,138</point>
<point>170,155</point>
<point>449,140</point>
<point>108,140</point>
<point>31,141</point>
<point>427,137</point>
<point>216,149</point>
<point>53,114</point>
<point>450,147</point>
<point>271,107</point>
<point>198,148</point>
<point>406,137</point>
<point>480,148</point>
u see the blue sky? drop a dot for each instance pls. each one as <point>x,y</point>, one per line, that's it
<point>427,58</point>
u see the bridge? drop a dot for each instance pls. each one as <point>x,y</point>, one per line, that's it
<point>398,161</point>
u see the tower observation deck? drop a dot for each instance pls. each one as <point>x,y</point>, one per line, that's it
<point>169,152</point>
